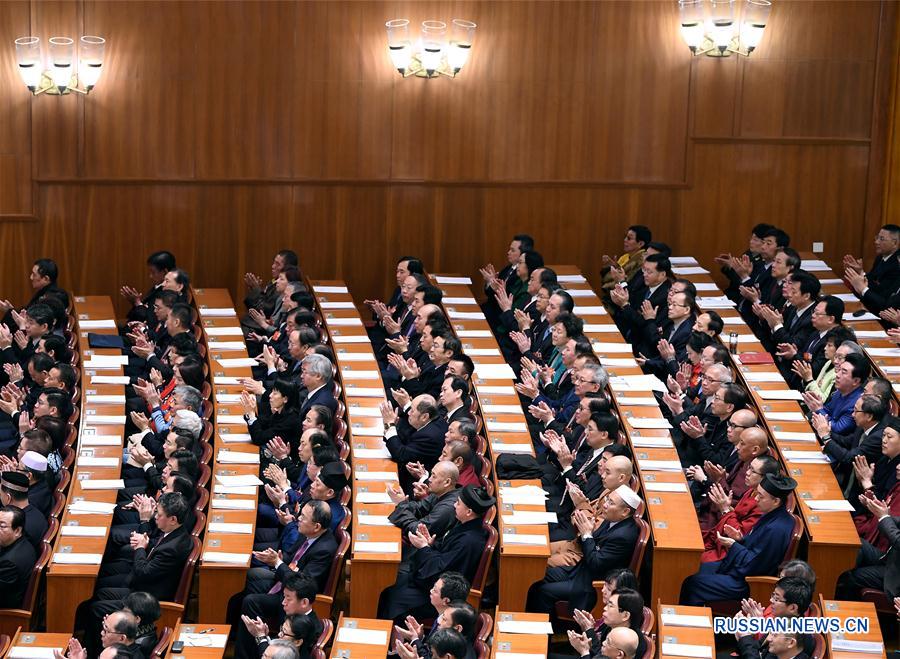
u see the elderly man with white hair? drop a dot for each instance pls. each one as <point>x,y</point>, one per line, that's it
<point>316,375</point>
<point>605,547</point>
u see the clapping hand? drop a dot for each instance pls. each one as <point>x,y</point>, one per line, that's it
<point>584,619</point>
<point>693,428</point>
<point>619,296</point>
<point>579,642</point>
<point>864,471</point>
<point>786,350</point>
<point>648,311</point>
<point>813,401</point>
<point>278,448</point>
<point>751,608</point>
<point>714,471</point>
<point>733,533</point>
<point>256,627</point>
<point>401,397</point>
<point>803,369</point>
<point>413,629</point>
<point>252,280</point>
<point>416,469</point>
<point>388,413</point>
<point>877,507</point>
<point>421,538</point>
<point>541,412</point>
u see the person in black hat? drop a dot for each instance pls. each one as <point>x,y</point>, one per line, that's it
<point>327,487</point>
<point>759,553</point>
<point>460,549</point>
<point>14,492</point>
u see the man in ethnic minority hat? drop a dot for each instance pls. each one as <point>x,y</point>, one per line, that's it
<point>14,492</point>
<point>458,550</point>
<point>35,467</point>
<point>758,553</point>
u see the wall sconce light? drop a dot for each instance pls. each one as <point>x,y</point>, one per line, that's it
<point>431,55</point>
<point>65,71</point>
<point>708,27</point>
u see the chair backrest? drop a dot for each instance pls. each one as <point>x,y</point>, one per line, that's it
<point>52,530</point>
<point>650,652</point>
<point>340,430</point>
<point>59,504</point>
<point>484,564</point>
<point>790,504</point>
<point>187,573</point>
<point>31,591</point>
<point>484,627</point>
<point>162,646</point>
<point>206,453</point>
<point>206,433</point>
<point>795,539</point>
<point>325,636</point>
<point>68,457</point>
<point>337,562</point>
<point>205,475</point>
<point>64,478</point>
<point>343,449</point>
<point>482,651</point>
<point>199,523</point>
<point>649,621</point>
<point>640,547</point>
<point>5,642</point>
<point>202,499</point>
<point>206,390</point>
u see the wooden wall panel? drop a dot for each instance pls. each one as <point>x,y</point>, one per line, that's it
<point>226,131</point>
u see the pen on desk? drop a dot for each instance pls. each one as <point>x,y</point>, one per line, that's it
<point>207,630</point>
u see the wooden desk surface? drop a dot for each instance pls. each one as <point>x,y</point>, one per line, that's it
<point>535,644</point>
<point>192,632</point>
<point>56,641</point>
<point>342,649</point>
<point>684,635</point>
<point>844,610</point>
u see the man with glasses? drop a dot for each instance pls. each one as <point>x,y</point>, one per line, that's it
<point>298,597</point>
<point>17,557</point>
<point>868,414</point>
<point>707,441</point>
<point>620,643</point>
<point>671,338</point>
<point>827,315</point>
<point>118,627</point>
<point>876,286</point>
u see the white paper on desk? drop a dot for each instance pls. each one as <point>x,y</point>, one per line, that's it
<point>501,389</point>
<point>640,401</point>
<point>691,270</point>
<point>337,305</point>
<point>83,461</point>
<point>526,517</point>
<point>365,392</point>
<point>588,311</point>
<point>228,398</point>
<point>465,315</point>
<point>460,300</point>
<point>848,315</point>
<point>792,436</point>
<point>362,636</point>
<point>531,489</point>
<point>372,497</point>
<point>234,437</point>
<point>238,457</point>
<point>96,324</point>
<point>611,347</point>
<point>870,334</point>
<point>249,490</point>
<point>826,282</point>
<point>223,331</point>
<point>77,559</point>
<point>683,260</point>
<point>678,620</point>
<point>660,465</point>
<point>374,520</point>
<point>494,372</point>
<point>217,312</point>
<point>581,292</point>
<point>204,640</point>
<point>102,484</point>
<point>531,539</point>
<point>482,352</point>
<point>654,486</point>
<point>226,346</point>
<point>809,457</point>
<point>578,279</point>
<point>229,527</point>
<point>441,279</point>
<point>239,480</point>
<point>883,352</point>
<point>385,476</point>
<point>683,650</point>
<point>331,289</point>
<point>524,627</point>
<point>91,508</point>
<point>503,409</point>
<point>20,652</point>
<point>343,322</point>
<point>705,286</point>
<point>785,416</point>
<point>519,655</point>
<point>526,499</point>
<point>616,361</point>
<point>227,379</point>
<point>84,531</point>
<point>237,362</point>
<point>99,364</point>
<point>846,297</point>
<point>110,379</point>
<point>474,334</point>
<point>780,394</point>
<point>231,420</point>
<point>101,440</point>
<point>891,370</point>
<point>501,447</point>
<point>350,338</point>
<point>763,376</point>
<point>234,504</point>
<point>356,357</point>
<point>601,329</point>
<point>225,557</point>
<point>648,423</point>
<point>376,547</point>
<point>714,302</point>
<point>829,505</point>
<point>747,338</point>
<point>499,426</point>
<point>104,420</point>
<point>359,375</point>
<point>369,412</point>
<point>732,320</point>
<point>651,442</point>
<point>375,453</point>
<point>814,265</point>
<point>866,647</point>
<point>105,399</point>
<point>637,383</point>
<point>367,431</point>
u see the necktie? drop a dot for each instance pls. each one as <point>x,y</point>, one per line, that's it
<point>274,590</point>
<point>545,334</point>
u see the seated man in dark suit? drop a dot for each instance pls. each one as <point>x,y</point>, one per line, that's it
<point>606,547</point>
<point>155,570</point>
<point>459,616</point>
<point>17,557</point>
<point>316,375</point>
<point>779,645</point>
<point>423,445</point>
<point>14,492</point>
<point>882,281</point>
<point>865,439</point>
<point>639,318</point>
<point>460,550</point>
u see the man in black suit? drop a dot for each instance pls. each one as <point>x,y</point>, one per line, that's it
<point>827,315</point>
<point>790,332</point>
<point>671,338</point>
<point>435,510</point>
<point>17,557</point>
<point>459,550</point>
<point>143,306</point>
<point>261,297</point>
<point>316,375</point>
<point>876,286</point>
<point>707,439</point>
<point>312,558</point>
<point>428,380</point>
<point>454,398</point>
<point>606,546</point>
<point>865,439</point>
<point>298,596</point>
<point>639,318</point>
<point>780,645</point>
<point>14,492</point>
<point>520,243</point>
<point>423,440</point>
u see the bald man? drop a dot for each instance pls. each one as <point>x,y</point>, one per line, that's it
<point>436,510</point>
<point>415,439</point>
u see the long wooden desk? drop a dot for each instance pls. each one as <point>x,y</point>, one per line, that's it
<point>844,610</point>
<point>674,635</point>
<point>222,577</point>
<point>195,637</point>
<point>344,646</point>
<point>362,392</point>
<point>506,431</point>
<point>99,457</point>
<point>531,645</point>
<point>832,541</point>
<point>32,642</point>
<point>676,540</point>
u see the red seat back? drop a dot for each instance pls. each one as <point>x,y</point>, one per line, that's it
<point>484,564</point>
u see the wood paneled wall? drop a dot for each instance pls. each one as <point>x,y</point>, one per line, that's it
<point>224,131</point>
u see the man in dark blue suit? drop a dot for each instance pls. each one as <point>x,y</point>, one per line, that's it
<point>757,554</point>
<point>606,547</point>
<point>423,445</point>
<point>317,373</point>
<point>639,318</point>
<point>882,281</point>
<point>672,338</point>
